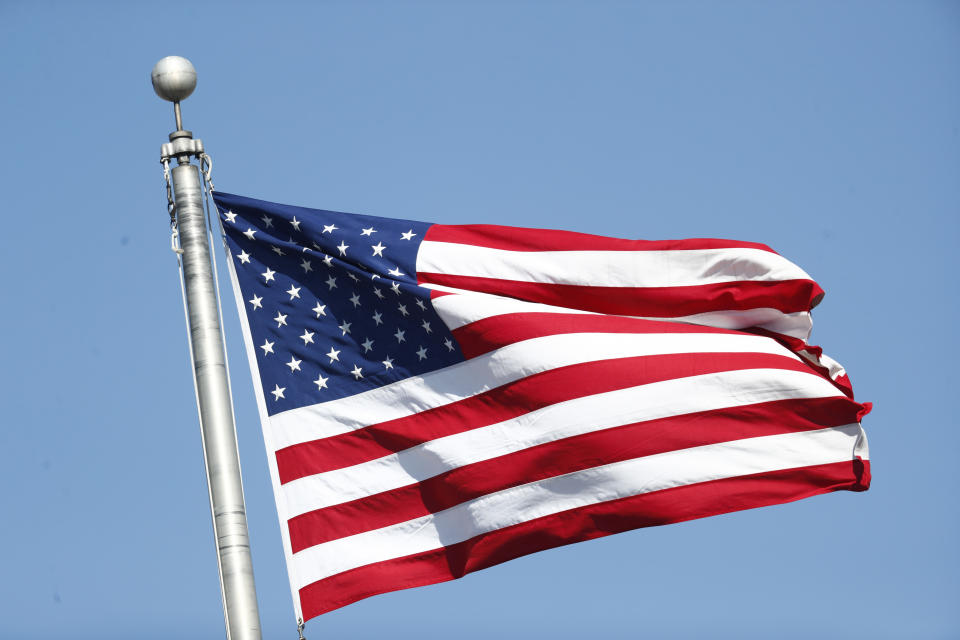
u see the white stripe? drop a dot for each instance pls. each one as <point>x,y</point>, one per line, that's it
<point>673,268</point>
<point>507,364</point>
<point>582,488</point>
<point>798,324</point>
<point>548,424</point>
<point>834,368</point>
<point>469,306</point>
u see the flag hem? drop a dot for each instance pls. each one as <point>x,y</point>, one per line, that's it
<point>250,349</point>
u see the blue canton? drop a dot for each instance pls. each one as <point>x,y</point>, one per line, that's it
<point>331,300</point>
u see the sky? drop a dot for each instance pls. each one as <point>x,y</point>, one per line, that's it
<point>828,130</point>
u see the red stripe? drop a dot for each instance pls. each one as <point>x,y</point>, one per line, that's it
<point>586,523</point>
<point>494,332</point>
<point>520,239</point>
<point>508,401</point>
<point>788,296</point>
<point>797,346</point>
<point>566,456</point>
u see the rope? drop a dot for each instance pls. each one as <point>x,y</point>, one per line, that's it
<point>172,210</point>
<point>175,242</point>
<point>206,185</point>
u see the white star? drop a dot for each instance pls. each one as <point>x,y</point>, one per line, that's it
<point>342,248</point>
<point>294,292</point>
<point>408,235</point>
<point>448,344</point>
<point>278,392</point>
<point>328,260</point>
<point>422,353</point>
<point>395,272</point>
<point>267,347</point>
<point>249,233</point>
<point>399,335</point>
<point>307,267</point>
<point>345,328</point>
<point>278,251</point>
<point>426,327</point>
<point>421,305</point>
<point>267,221</point>
<point>388,363</point>
<point>268,274</point>
<point>320,309</point>
<point>395,286</point>
<point>256,302</point>
<point>368,231</point>
<point>244,257</point>
<point>294,364</point>
<point>355,299</point>
<point>378,249</point>
<point>329,228</point>
<point>332,282</point>
<point>307,337</point>
<point>367,345</point>
<point>403,310</point>
<point>374,276</point>
<point>378,293</point>
<point>353,277</point>
<point>377,318</point>
<point>356,372</point>
<point>281,319</point>
<point>333,355</point>
<point>295,223</point>
<point>230,216</point>
<point>321,382</point>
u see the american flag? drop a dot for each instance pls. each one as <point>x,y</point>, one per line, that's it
<point>438,399</point>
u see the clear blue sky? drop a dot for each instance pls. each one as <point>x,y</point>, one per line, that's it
<point>830,131</point>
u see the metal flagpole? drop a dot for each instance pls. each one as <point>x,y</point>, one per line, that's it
<point>174,78</point>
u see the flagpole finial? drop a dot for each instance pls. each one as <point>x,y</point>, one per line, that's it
<point>174,79</point>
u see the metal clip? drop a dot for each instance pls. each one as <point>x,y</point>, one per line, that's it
<point>206,166</point>
<point>175,240</point>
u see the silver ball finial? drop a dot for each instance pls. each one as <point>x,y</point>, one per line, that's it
<point>174,78</point>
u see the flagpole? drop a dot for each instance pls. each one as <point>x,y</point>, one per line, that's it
<point>174,79</point>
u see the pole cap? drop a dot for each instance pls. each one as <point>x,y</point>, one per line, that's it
<point>174,78</point>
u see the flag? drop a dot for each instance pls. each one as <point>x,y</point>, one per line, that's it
<point>437,399</point>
